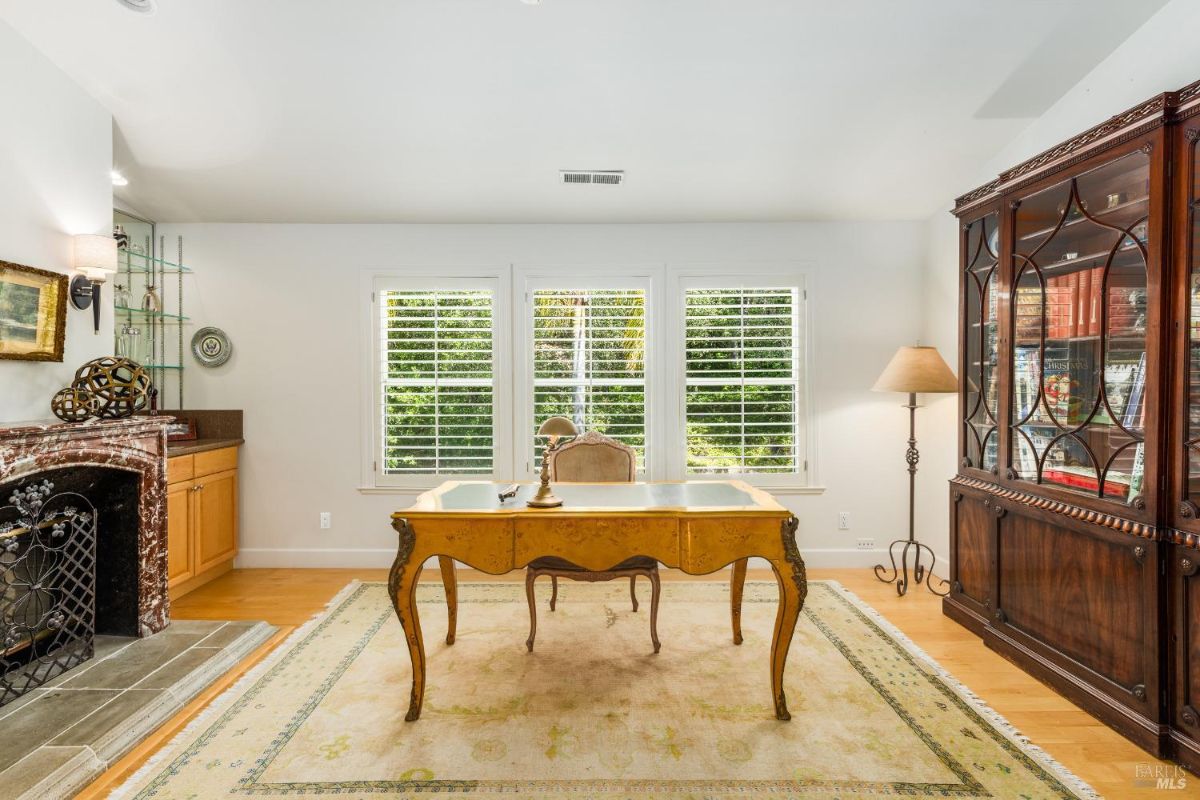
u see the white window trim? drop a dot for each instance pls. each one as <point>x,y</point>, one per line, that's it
<point>727,275</point>
<point>527,279</point>
<point>374,480</point>
<point>512,329</point>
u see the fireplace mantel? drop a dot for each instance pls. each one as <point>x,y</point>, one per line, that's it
<point>137,444</point>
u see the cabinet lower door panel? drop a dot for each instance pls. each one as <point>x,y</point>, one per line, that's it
<point>216,519</point>
<point>1185,613</point>
<point>972,526</point>
<point>1086,594</point>
<point>180,563</point>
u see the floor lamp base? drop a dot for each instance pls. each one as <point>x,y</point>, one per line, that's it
<point>899,575</point>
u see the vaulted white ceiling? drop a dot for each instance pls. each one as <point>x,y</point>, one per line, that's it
<point>465,110</point>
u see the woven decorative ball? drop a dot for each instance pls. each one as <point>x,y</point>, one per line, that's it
<point>121,386</point>
<point>74,404</point>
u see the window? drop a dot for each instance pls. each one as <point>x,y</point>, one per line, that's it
<point>589,361</point>
<point>743,399</point>
<point>703,372</point>
<point>437,381</point>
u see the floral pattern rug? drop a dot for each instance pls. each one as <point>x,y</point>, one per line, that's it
<point>592,712</point>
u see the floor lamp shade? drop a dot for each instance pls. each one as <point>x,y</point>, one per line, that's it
<point>916,369</point>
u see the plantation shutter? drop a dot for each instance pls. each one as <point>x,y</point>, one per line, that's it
<point>589,361</point>
<point>438,383</point>
<point>743,366</point>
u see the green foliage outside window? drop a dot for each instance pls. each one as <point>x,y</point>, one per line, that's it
<point>589,351</point>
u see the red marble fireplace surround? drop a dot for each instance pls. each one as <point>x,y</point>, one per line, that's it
<point>137,445</point>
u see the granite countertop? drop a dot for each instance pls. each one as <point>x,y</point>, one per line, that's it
<point>200,446</point>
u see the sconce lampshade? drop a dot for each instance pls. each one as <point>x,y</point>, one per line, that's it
<point>916,369</point>
<point>558,426</point>
<point>95,255</point>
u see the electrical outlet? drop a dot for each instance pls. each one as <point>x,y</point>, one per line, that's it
<point>843,520</point>
<point>866,544</point>
<point>326,520</point>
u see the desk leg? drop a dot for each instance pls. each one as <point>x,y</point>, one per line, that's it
<point>450,583</point>
<point>793,588</point>
<point>402,584</point>
<point>736,584</point>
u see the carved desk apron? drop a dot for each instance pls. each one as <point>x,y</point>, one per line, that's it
<point>695,526</point>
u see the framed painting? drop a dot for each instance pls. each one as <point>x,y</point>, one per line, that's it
<point>33,313</point>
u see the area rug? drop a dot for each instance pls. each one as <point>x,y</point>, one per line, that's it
<point>592,712</point>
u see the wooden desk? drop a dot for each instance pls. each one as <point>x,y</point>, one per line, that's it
<point>696,526</point>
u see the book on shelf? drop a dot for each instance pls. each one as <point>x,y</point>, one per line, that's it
<point>1071,325</point>
<point>1079,477</point>
<point>1137,473</point>
<point>1028,313</point>
<point>1026,375</point>
<point>1118,381</point>
<point>1083,296</point>
<point>1074,305</point>
<point>1095,301</point>
<point>1058,302</point>
<point>1135,406</point>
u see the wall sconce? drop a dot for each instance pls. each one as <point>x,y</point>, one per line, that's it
<point>96,258</point>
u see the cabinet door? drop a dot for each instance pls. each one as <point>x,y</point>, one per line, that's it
<point>980,348</point>
<point>1185,510</point>
<point>180,562</point>
<point>974,524</point>
<point>1085,308</point>
<point>216,519</point>
<point>1185,650</point>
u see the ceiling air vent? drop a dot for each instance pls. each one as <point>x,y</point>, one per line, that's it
<point>604,177</point>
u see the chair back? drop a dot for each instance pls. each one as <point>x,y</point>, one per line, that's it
<point>593,458</point>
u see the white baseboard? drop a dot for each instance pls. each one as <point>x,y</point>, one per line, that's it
<point>258,558</point>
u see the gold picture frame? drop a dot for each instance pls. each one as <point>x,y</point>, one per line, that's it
<point>33,313</point>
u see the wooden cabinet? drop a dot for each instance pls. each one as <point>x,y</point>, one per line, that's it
<point>181,565</point>
<point>202,518</point>
<point>1074,520</point>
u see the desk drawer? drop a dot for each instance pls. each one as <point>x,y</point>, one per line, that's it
<point>597,543</point>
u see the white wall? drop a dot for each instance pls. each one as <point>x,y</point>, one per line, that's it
<point>1160,56</point>
<point>55,158</point>
<point>289,296</point>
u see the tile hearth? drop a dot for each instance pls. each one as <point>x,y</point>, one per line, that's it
<point>59,737</point>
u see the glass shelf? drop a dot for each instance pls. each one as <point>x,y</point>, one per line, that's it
<point>162,366</point>
<point>139,313</point>
<point>142,264</point>
<point>1137,201</point>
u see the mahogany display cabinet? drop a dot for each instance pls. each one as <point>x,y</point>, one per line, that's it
<point>1075,513</point>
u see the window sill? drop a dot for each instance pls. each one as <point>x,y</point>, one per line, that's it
<point>783,491</point>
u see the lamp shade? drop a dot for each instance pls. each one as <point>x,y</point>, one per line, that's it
<point>558,426</point>
<point>95,255</point>
<point>916,369</point>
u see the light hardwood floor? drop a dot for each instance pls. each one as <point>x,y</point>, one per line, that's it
<point>289,597</point>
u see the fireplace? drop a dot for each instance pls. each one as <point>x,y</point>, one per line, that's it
<point>82,542</point>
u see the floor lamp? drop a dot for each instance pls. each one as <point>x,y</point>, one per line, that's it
<point>913,370</point>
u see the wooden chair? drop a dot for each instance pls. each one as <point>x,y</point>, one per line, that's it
<point>593,458</point>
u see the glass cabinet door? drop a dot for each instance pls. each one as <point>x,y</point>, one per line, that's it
<point>1079,332</point>
<point>981,389</point>
<point>1192,420</point>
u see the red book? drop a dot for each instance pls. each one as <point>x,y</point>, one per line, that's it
<point>1097,298</point>
<point>1083,302</point>
<point>1060,294</point>
<point>1072,322</point>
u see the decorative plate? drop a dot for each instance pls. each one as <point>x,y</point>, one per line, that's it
<point>211,347</point>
